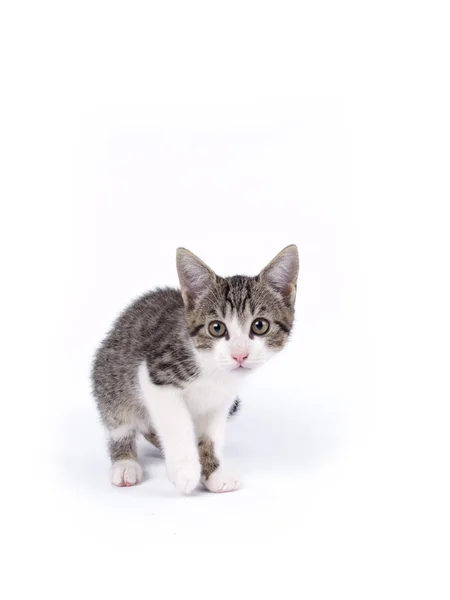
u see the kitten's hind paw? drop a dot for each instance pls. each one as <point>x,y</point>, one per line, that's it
<point>221,481</point>
<point>125,473</point>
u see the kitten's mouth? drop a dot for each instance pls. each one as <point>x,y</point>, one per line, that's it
<point>241,368</point>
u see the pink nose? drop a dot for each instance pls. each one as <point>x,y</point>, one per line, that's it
<point>239,357</point>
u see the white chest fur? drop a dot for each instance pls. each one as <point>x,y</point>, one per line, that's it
<point>207,397</point>
<point>214,390</point>
<point>211,392</point>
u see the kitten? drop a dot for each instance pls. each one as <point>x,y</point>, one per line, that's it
<point>173,361</point>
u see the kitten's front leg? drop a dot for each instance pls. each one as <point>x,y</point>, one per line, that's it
<point>215,477</point>
<point>171,418</point>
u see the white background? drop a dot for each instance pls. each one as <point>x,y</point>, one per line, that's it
<point>233,130</point>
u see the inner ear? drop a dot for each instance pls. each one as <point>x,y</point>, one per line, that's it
<point>282,273</point>
<point>194,275</point>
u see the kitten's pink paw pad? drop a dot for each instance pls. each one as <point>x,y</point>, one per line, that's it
<point>185,476</point>
<point>125,473</point>
<point>221,481</point>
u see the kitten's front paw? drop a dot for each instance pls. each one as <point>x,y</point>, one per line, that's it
<point>125,473</point>
<point>221,481</point>
<point>184,475</point>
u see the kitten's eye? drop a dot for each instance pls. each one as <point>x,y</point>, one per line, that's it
<point>217,328</point>
<point>260,326</point>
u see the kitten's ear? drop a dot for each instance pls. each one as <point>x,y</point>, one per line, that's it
<point>194,276</point>
<point>282,272</point>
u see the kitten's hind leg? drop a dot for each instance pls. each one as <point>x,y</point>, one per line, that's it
<point>125,470</point>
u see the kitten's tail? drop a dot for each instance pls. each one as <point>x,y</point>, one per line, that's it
<point>234,408</point>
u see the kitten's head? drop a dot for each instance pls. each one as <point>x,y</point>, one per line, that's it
<point>239,321</point>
